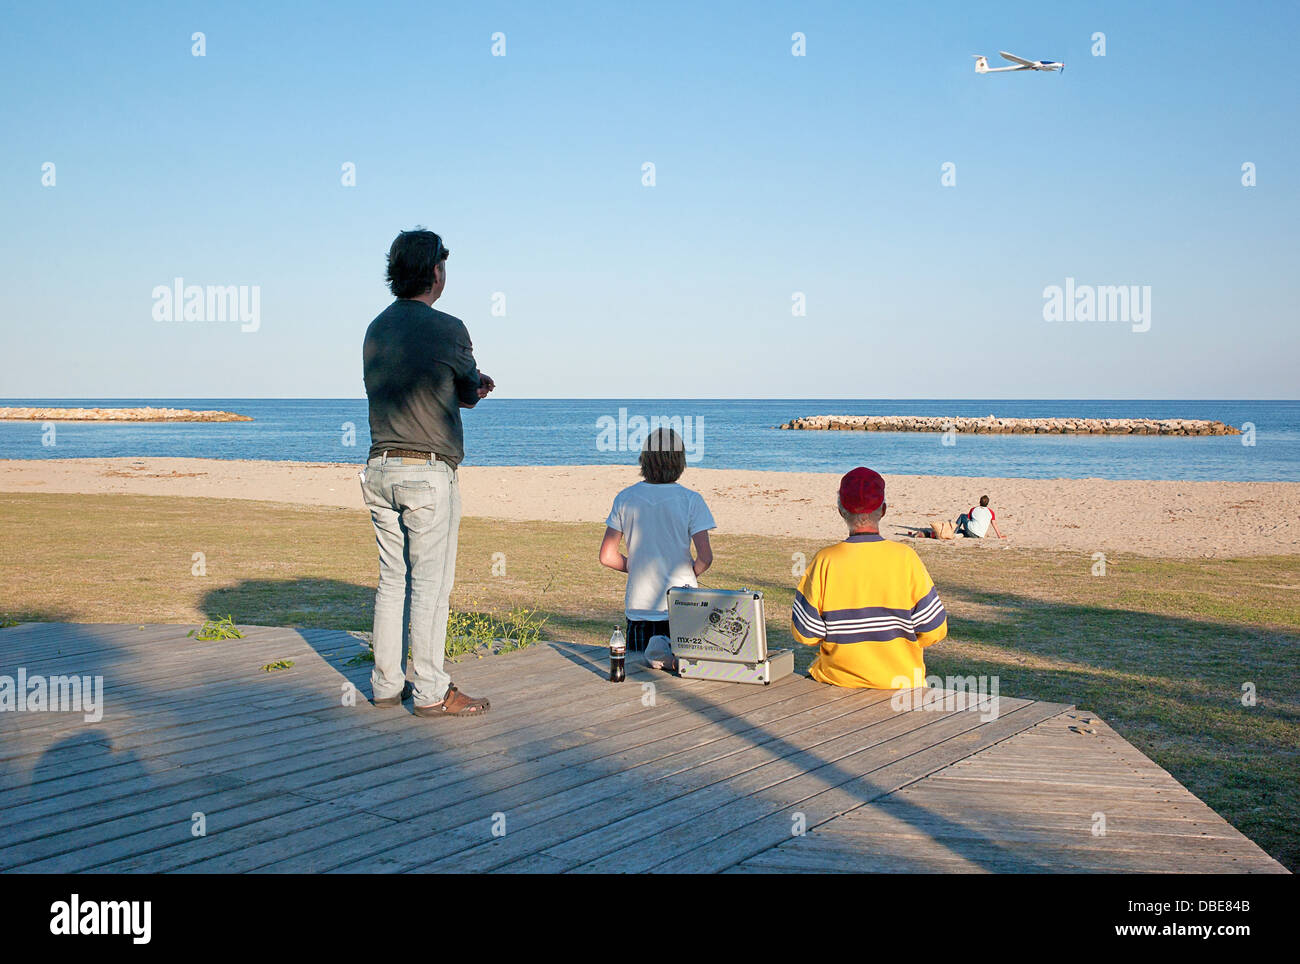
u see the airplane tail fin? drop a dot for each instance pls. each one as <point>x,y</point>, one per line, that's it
<point>981,65</point>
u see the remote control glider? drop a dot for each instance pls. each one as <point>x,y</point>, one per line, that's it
<point>982,64</point>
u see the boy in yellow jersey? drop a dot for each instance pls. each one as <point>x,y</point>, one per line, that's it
<point>867,602</point>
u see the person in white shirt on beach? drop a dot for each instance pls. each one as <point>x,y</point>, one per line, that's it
<point>975,524</point>
<point>660,520</point>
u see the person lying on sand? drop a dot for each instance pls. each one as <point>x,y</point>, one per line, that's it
<point>867,602</point>
<point>975,523</point>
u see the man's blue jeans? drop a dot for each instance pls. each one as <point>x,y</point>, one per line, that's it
<point>963,527</point>
<point>415,507</point>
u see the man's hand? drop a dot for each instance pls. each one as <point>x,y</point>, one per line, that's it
<point>485,385</point>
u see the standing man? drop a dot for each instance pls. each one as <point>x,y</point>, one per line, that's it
<point>419,373</point>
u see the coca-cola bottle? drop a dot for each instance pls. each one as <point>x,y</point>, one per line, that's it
<point>617,657</point>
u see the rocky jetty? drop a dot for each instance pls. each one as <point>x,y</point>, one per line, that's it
<point>147,414</point>
<point>992,425</point>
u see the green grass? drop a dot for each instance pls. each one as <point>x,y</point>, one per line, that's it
<point>480,633</point>
<point>224,628</point>
<point>477,633</point>
<point>1159,648</point>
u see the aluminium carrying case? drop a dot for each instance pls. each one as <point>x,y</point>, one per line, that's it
<point>721,634</point>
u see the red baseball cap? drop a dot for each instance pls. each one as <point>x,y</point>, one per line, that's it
<point>862,491</point>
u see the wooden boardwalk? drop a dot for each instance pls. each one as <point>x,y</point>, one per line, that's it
<point>567,773</point>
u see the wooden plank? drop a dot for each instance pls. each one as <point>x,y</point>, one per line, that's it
<point>59,831</point>
<point>882,814</point>
<point>464,742</point>
<point>551,813</point>
<point>1008,828</point>
<point>967,856</point>
<point>732,838</point>
<point>817,860</point>
<point>622,725</point>
<point>39,640</point>
<point>264,784</point>
<point>232,835</point>
<point>134,839</point>
<point>148,655</point>
<point>731,785</point>
<point>473,803</point>
<point>104,826</point>
<point>476,815</point>
<point>79,780</point>
<point>1034,796</point>
<point>208,656</point>
<point>158,699</point>
<point>325,834</point>
<point>564,780</point>
<point>586,777</point>
<point>221,734</point>
<point>906,830</point>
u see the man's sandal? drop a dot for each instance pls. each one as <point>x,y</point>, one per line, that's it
<point>455,703</point>
<point>399,699</point>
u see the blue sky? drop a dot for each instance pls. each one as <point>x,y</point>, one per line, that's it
<point>775,174</point>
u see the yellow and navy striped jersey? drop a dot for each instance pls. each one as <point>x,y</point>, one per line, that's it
<point>872,607</point>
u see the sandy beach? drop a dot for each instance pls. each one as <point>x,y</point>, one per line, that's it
<point>1166,519</point>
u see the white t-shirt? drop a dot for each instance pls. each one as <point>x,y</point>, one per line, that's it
<point>979,519</point>
<point>658,522</point>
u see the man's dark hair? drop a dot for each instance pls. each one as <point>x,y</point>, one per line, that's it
<point>984,501</point>
<point>663,457</point>
<point>411,260</point>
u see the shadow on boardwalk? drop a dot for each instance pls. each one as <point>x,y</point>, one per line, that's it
<point>291,779</point>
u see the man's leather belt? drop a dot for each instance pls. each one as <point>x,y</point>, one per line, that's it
<point>420,456</point>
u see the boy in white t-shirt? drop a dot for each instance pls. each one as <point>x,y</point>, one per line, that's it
<point>975,523</point>
<point>660,521</point>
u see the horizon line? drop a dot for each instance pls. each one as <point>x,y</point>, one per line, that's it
<point>649,398</point>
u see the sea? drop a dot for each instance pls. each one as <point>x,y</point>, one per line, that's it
<point>719,434</point>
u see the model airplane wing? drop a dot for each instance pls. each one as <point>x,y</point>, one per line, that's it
<point>1017,60</point>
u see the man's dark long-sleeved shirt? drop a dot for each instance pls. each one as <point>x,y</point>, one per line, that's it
<point>419,370</point>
